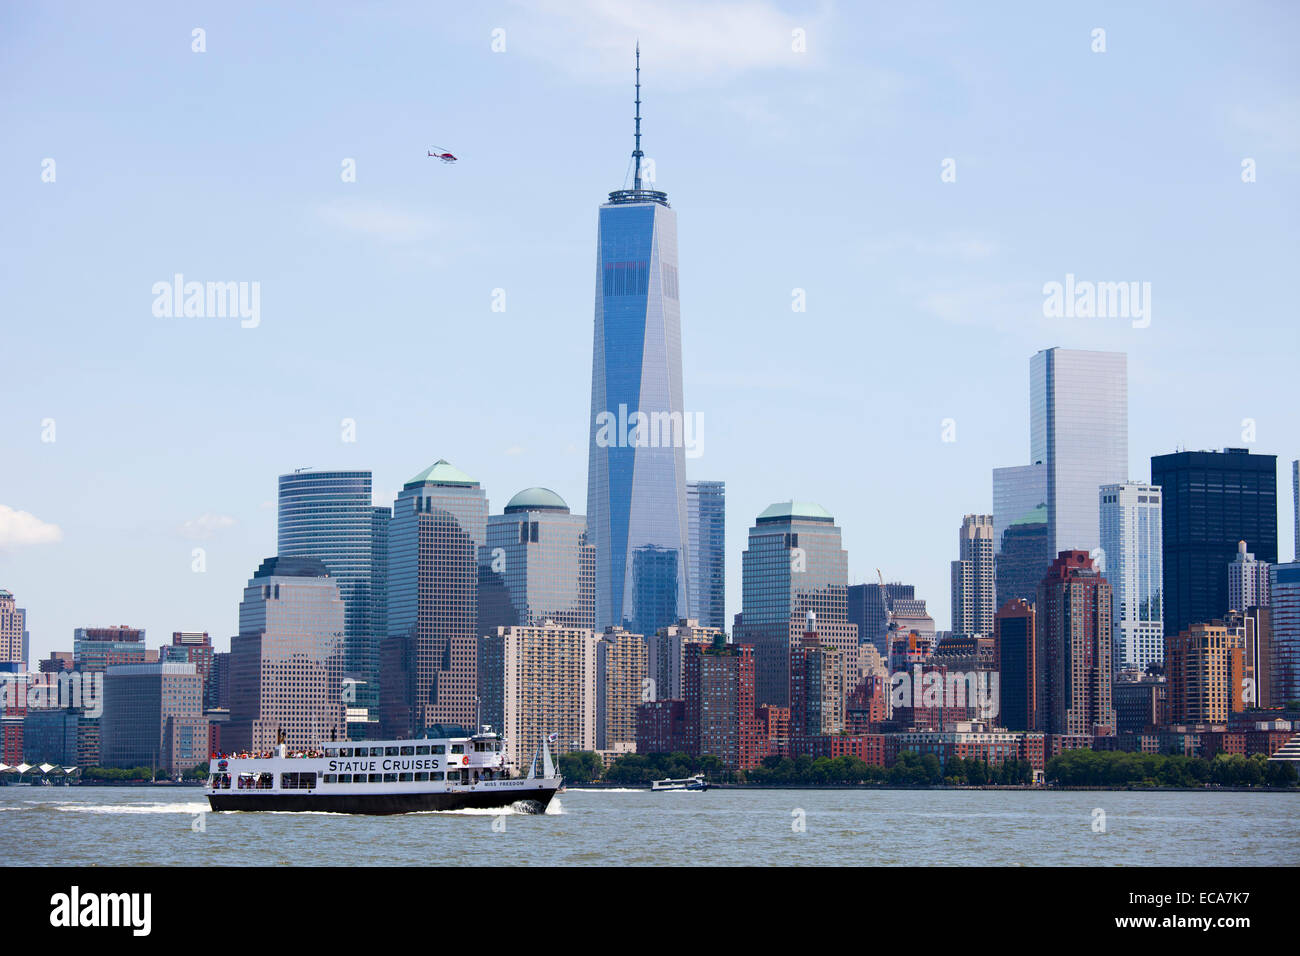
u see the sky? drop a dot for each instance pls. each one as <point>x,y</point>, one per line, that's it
<point>914,173</point>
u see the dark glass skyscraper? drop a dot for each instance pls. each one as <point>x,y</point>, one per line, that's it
<point>636,476</point>
<point>868,613</point>
<point>707,514</point>
<point>1212,500</point>
<point>1023,558</point>
<point>328,515</point>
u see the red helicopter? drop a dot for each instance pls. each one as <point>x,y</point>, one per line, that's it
<point>439,153</point>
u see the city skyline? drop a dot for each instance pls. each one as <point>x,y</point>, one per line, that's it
<point>176,404</point>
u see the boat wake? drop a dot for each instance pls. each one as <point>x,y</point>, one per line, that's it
<point>519,808</point>
<point>190,809</point>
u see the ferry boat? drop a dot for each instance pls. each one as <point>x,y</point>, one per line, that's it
<point>451,772</point>
<point>696,782</point>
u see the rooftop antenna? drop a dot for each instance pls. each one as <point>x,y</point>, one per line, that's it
<point>636,153</point>
<point>639,193</point>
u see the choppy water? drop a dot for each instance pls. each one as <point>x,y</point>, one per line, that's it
<point>118,826</point>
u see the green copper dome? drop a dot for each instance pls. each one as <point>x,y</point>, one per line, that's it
<point>536,499</point>
<point>441,473</point>
<point>801,510</point>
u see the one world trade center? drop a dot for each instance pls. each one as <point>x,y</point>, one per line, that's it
<point>636,477</point>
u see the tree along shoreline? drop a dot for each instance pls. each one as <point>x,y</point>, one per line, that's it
<point>1029,788</point>
<point>1073,769</point>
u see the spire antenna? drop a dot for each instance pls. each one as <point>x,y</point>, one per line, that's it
<point>636,153</point>
<point>638,193</point>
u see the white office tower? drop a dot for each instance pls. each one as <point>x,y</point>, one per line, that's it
<point>1078,427</point>
<point>1130,535</point>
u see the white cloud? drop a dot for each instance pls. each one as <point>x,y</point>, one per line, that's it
<point>21,528</point>
<point>377,220</point>
<point>206,525</point>
<point>682,41</point>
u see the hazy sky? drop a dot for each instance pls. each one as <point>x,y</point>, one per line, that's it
<point>817,170</point>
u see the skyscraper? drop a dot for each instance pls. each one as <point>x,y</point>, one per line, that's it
<point>818,679</point>
<point>536,565</point>
<point>1074,648</point>
<point>1204,667</point>
<point>1018,491</point>
<point>973,577</point>
<point>621,668</point>
<point>12,628</point>
<point>95,649</point>
<point>1212,500</point>
<point>1014,649</point>
<point>1248,580</point>
<point>428,662</point>
<point>1284,621</point>
<point>288,660</point>
<point>636,477</point>
<point>548,687</point>
<point>666,651</point>
<point>153,717</point>
<point>1295,505</point>
<point>720,715</point>
<point>707,513</point>
<point>1131,558</point>
<point>794,564</point>
<point>328,515</point>
<point>1078,427</point>
<point>868,611</point>
<point>1022,558</point>
<point>193,647</point>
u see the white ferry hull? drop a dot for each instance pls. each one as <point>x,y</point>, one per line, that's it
<point>537,793</point>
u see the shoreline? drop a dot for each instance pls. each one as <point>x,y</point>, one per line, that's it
<point>1061,788</point>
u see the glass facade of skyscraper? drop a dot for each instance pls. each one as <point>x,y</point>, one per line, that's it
<point>1017,492</point>
<point>707,511</point>
<point>536,566</point>
<point>428,663</point>
<point>1212,500</point>
<point>1023,558</point>
<point>1131,562</point>
<point>1078,427</point>
<point>794,564</point>
<point>1284,670</point>
<point>287,662</point>
<point>328,515</point>
<point>636,478</point>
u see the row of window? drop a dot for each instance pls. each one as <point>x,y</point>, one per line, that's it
<point>422,750</point>
<point>420,777</point>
